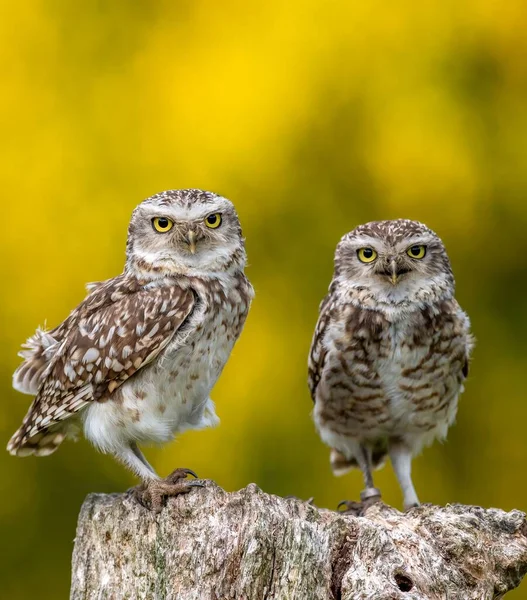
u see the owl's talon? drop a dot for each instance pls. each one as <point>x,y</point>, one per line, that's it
<point>351,508</point>
<point>180,473</point>
<point>369,497</point>
<point>152,493</point>
<point>195,484</point>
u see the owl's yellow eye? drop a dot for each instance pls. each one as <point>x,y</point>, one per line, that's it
<point>213,221</point>
<point>162,224</point>
<point>417,251</point>
<point>366,255</point>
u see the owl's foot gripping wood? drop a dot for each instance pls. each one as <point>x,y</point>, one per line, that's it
<point>153,492</point>
<point>370,494</point>
<point>368,497</point>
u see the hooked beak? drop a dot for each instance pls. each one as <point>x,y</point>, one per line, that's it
<point>394,270</point>
<point>191,241</point>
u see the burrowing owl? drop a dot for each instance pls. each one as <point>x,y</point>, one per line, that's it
<point>135,362</point>
<point>390,352</point>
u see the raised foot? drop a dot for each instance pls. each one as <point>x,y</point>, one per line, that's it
<point>152,493</point>
<point>369,497</point>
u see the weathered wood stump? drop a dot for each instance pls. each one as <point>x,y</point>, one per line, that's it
<point>250,545</point>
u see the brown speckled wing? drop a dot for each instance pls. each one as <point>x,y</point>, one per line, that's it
<point>119,328</point>
<point>317,353</point>
<point>37,352</point>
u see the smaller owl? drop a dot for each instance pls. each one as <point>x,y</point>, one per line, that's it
<point>136,361</point>
<point>390,352</point>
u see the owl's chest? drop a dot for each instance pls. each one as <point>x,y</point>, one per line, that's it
<point>172,394</point>
<point>417,349</point>
<point>419,368</point>
<point>192,363</point>
<point>197,363</point>
<point>393,376</point>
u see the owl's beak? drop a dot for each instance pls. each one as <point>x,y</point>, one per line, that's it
<point>191,241</point>
<point>394,270</point>
<point>394,275</point>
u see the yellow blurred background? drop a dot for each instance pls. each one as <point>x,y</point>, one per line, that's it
<point>312,117</point>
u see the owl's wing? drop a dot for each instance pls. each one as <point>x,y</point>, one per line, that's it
<point>469,339</point>
<point>317,354</point>
<point>38,352</point>
<point>118,329</point>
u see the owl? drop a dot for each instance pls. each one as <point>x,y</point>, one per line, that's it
<point>390,351</point>
<point>136,361</point>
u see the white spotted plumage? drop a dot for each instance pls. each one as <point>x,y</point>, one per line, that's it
<point>136,361</point>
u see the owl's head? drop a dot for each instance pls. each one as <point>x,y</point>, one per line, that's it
<point>394,261</point>
<point>185,231</point>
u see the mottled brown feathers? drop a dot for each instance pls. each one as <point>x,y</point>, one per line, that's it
<point>119,328</point>
<point>389,356</point>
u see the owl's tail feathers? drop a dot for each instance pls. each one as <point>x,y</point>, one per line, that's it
<point>340,464</point>
<point>36,352</point>
<point>42,443</point>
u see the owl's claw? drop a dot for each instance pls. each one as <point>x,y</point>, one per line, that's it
<point>350,508</point>
<point>152,493</point>
<point>180,474</point>
<point>345,503</point>
<point>195,484</point>
<point>369,497</point>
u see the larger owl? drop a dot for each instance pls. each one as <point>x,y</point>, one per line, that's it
<point>136,361</point>
<point>390,351</point>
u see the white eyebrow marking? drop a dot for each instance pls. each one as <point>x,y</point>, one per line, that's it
<point>365,240</point>
<point>182,213</point>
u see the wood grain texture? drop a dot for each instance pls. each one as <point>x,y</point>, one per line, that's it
<point>250,545</point>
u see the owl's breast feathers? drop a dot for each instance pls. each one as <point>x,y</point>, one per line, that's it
<point>370,375</point>
<point>119,328</point>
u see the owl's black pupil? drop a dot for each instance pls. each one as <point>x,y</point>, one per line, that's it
<point>212,219</point>
<point>162,223</point>
<point>368,252</point>
<point>415,250</point>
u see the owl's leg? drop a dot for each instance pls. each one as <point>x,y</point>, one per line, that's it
<point>370,494</point>
<point>153,491</point>
<point>401,458</point>
<point>135,460</point>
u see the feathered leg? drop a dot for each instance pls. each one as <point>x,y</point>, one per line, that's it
<point>153,491</point>
<point>401,458</point>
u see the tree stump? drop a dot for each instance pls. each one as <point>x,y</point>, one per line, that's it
<point>249,545</point>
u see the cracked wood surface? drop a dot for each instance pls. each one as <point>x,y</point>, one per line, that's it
<point>248,545</point>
